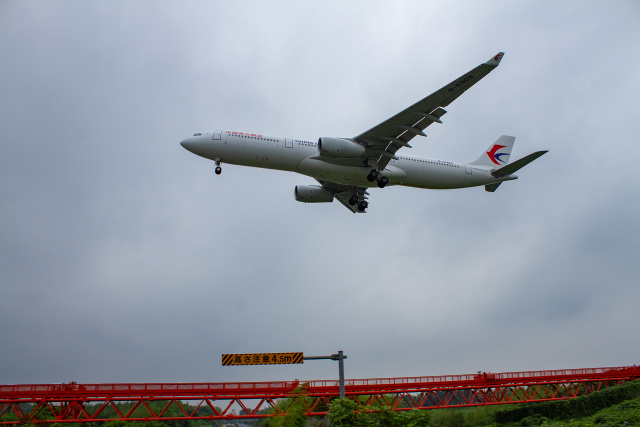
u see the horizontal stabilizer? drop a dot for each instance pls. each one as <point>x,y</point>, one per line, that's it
<point>517,165</point>
<point>492,187</point>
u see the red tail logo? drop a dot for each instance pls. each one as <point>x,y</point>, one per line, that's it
<point>494,156</point>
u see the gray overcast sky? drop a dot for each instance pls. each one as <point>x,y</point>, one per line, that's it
<point>123,258</point>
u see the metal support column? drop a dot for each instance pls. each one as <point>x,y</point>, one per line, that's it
<point>340,356</point>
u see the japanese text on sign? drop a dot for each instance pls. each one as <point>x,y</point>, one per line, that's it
<point>261,359</point>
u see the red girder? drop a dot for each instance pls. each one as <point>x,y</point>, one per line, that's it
<point>49,403</point>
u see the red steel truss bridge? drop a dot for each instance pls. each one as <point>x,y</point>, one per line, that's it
<point>72,402</point>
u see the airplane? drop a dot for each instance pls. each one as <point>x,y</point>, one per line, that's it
<point>345,168</point>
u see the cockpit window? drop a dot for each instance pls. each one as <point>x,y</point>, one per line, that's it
<point>197,134</point>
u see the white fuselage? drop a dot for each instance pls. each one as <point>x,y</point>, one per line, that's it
<point>301,156</point>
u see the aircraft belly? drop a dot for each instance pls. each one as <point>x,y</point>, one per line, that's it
<point>347,175</point>
<point>260,154</point>
<point>330,172</point>
<point>443,176</point>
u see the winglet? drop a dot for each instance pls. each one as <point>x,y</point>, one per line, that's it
<point>495,60</point>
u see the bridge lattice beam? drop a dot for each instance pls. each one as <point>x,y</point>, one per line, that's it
<point>60,403</point>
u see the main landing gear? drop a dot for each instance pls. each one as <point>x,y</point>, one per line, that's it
<point>218,167</point>
<point>362,205</point>
<point>374,175</point>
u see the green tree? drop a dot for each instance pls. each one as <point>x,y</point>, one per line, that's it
<point>291,412</point>
<point>118,423</point>
<point>347,413</point>
<point>342,413</point>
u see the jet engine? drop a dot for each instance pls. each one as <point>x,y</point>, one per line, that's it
<point>339,148</point>
<point>313,194</point>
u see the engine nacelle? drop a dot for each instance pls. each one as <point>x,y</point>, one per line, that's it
<point>313,194</point>
<point>339,148</point>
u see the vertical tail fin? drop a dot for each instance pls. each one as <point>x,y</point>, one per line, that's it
<point>497,155</point>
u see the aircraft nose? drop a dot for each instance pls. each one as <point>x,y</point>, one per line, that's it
<point>197,144</point>
<point>188,144</point>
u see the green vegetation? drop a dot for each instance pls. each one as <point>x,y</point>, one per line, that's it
<point>613,406</point>
<point>464,417</point>
<point>580,407</point>
<point>343,412</point>
<point>624,414</point>
<point>295,408</point>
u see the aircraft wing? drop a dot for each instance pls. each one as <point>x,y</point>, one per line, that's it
<point>343,193</point>
<point>385,139</point>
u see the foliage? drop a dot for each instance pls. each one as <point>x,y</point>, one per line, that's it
<point>342,413</point>
<point>464,417</point>
<point>294,409</point>
<point>577,408</point>
<point>623,414</point>
<point>532,420</point>
<point>346,412</point>
<point>118,423</point>
<point>627,412</point>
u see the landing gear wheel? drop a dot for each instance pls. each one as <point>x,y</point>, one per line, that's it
<point>218,170</point>
<point>372,175</point>
<point>382,181</point>
<point>353,200</point>
<point>362,205</point>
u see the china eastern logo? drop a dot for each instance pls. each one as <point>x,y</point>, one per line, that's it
<point>495,156</point>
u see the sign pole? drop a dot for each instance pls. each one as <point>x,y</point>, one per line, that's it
<point>340,358</point>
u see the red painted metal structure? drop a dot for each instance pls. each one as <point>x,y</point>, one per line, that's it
<point>57,403</point>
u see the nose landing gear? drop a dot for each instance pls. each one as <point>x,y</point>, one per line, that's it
<point>218,167</point>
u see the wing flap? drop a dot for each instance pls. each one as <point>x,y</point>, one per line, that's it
<point>344,199</point>
<point>388,151</point>
<point>343,194</point>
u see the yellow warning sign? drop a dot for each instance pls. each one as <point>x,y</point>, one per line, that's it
<point>262,359</point>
